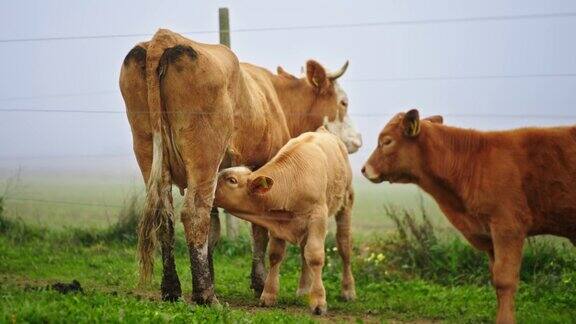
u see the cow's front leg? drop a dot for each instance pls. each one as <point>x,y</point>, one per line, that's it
<point>508,245</point>
<point>259,244</point>
<point>314,254</point>
<point>196,220</point>
<point>271,287</point>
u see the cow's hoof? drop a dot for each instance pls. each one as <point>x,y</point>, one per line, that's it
<point>170,297</point>
<point>267,299</point>
<point>319,310</point>
<point>208,299</point>
<point>257,286</point>
<point>348,295</point>
<point>171,294</point>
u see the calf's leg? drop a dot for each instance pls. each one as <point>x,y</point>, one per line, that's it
<point>314,254</point>
<point>259,244</point>
<point>276,255</point>
<point>305,275</point>
<point>508,246</point>
<point>344,242</point>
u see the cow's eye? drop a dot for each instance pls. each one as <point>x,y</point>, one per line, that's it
<point>344,103</point>
<point>386,141</point>
<point>232,180</point>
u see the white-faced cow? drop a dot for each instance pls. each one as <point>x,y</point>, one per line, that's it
<point>193,108</point>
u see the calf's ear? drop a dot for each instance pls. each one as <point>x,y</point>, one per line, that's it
<point>260,185</point>
<point>316,75</point>
<point>411,123</point>
<point>437,119</point>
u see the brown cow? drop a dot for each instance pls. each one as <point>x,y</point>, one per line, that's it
<point>496,188</point>
<point>292,196</point>
<point>193,108</point>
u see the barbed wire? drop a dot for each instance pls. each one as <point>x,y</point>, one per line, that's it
<point>361,80</point>
<point>310,27</point>
<point>62,95</point>
<point>370,114</point>
<point>64,202</point>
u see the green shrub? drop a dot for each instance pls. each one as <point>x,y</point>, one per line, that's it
<point>418,249</point>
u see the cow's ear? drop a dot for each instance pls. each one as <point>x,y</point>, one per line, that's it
<point>283,73</point>
<point>260,185</point>
<point>437,119</point>
<point>411,123</point>
<point>316,75</point>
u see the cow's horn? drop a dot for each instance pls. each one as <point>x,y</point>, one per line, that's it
<point>337,74</point>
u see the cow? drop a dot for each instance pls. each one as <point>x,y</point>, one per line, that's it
<point>497,188</point>
<point>293,196</point>
<point>193,108</point>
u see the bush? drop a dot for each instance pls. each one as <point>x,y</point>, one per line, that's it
<point>418,249</point>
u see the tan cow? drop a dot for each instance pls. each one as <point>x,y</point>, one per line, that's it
<point>496,188</point>
<point>292,196</point>
<point>193,107</point>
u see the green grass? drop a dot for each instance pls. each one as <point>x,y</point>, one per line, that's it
<point>398,278</point>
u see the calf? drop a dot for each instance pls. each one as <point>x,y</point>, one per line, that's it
<point>292,196</point>
<point>496,188</point>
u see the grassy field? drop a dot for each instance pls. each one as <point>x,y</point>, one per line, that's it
<point>57,200</point>
<point>431,276</point>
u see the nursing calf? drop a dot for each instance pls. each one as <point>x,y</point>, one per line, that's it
<point>292,196</point>
<point>496,188</point>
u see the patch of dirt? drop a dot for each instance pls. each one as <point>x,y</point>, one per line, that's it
<point>64,288</point>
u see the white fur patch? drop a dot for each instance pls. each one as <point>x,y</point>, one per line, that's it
<point>343,128</point>
<point>236,169</point>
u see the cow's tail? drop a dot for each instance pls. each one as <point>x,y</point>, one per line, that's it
<point>158,208</point>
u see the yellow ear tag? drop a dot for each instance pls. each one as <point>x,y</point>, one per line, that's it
<point>263,182</point>
<point>314,82</point>
<point>415,129</point>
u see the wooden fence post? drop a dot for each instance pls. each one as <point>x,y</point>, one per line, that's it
<point>223,18</point>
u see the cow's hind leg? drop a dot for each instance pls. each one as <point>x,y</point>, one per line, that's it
<point>195,217</point>
<point>170,286</point>
<point>133,86</point>
<point>259,244</point>
<point>344,242</point>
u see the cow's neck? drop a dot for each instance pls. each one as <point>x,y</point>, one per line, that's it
<point>297,98</point>
<point>450,162</point>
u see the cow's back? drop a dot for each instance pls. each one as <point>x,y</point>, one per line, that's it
<point>315,167</point>
<point>260,125</point>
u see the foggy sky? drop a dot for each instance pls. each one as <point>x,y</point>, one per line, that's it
<point>41,140</point>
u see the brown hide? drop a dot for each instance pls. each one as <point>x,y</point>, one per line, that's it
<point>495,187</point>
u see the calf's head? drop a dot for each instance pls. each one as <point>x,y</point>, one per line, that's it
<point>397,157</point>
<point>240,190</point>
<point>329,104</point>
